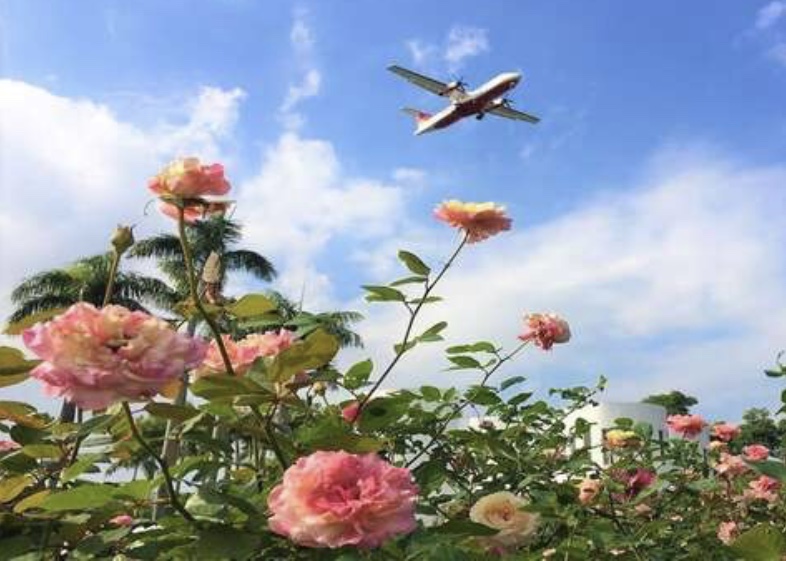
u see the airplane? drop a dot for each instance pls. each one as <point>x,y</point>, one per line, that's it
<point>488,98</point>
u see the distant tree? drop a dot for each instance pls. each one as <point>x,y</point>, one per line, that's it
<point>758,427</point>
<point>675,402</point>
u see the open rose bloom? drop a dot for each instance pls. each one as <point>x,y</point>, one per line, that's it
<point>192,184</point>
<point>688,426</point>
<point>96,357</point>
<point>243,353</point>
<point>478,221</point>
<point>725,431</point>
<point>545,330</point>
<point>336,499</point>
<point>503,511</point>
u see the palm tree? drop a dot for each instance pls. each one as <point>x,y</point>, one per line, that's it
<point>85,281</point>
<point>214,235</point>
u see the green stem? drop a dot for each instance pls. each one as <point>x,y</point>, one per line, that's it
<point>192,285</point>
<point>267,422</point>
<point>462,405</point>
<point>413,313</point>
<point>173,497</point>
<point>110,283</point>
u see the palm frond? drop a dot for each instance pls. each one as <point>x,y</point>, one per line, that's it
<point>249,262</point>
<point>57,281</point>
<point>39,304</point>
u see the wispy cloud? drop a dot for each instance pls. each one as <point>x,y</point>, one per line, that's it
<point>302,40</point>
<point>461,43</point>
<point>769,14</point>
<point>778,53</point>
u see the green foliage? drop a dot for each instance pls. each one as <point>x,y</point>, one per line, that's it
<point>675,402</point>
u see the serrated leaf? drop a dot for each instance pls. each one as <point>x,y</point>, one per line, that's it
<point>433,332</point>
<point>12,487</point>
<point>482,395</point>
<point>358,374</point>
<point>179,413</point>
<point>417,279</point>
<point>414,263</point>
<point>479,347</point>
<point>463,361</point>
<point>316,350</point>
<point>761,543</point>
<point>251,305</point>
<point>383,294</point>
<point>79,498</point>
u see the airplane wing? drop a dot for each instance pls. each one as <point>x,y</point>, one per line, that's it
<point>509,113</point>
<point>434,86</point>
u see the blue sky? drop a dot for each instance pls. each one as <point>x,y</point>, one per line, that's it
<point>646,203</point>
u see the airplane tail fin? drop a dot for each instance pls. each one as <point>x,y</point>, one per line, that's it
<point>420,117</point>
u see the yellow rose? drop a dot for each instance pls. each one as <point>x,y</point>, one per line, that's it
<point>621,439</point>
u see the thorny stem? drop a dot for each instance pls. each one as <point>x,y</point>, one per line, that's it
<point>463,404</point>
<point>413,313</point>
<point>173,497</point>
<point>192,285</point>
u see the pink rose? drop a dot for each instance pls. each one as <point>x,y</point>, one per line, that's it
<point>730,465</point>
<point>478,220</point>
<point>725,431</point>
<point>546,330</point>
<point>635,481</point>
<point>688,426</point>
<point>350,412</point>
<point>756,453</point>
<point>727,532</point>
<point>121,520</point>
<point>336,499</point>
<point>8,446</point>
<point>194,212</point>
<point>187,178</point>
<point>243,353</point>
<point>764,488</point>
<point>95,357</point>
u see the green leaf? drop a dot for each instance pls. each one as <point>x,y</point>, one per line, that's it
<point>11,487</point>
<point>314,351</point>
<point>251,305</point>
<point>358,374</point>
<point>179,413</point>
<point>463,361</point>
<point>22,414</point>
<point>417,279</point>
<point>381,412</point>
<point>414,263</point>
<point>83,464</point>
<point>479,347</point>
<point>464,528</point>
<point>433,332</point>
<point>774,469</point>
<point>95,423</point>
<point>86,496</point>
<point>762,543</point>
<point>398,348</point>
<point>227,387</point>
<point>31,501</point>
<point>482,396</point>
<point>430,393</point>
<point>426,300</point>
<point>14,367</point>
<point>225,542</point>
<point>511,382</point>
<point>40,451</point>
<point>383,294</point>
<point>137,490</point>
<point>16,328</point>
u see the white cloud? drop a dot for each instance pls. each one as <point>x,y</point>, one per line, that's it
<point>307,201</point>
<point>464,42</point>
<point>769,15</point>
<point>420,52</point>
<point>413,176</point>
<point>302,40</point>
<point>676,283</point>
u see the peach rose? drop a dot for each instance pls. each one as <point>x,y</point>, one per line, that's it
<point>478,220</point>
<point>764,488</point>
<point>727,532</point>
<point>121,520</point>
<point>350,411</point>
<point>336,499</point>
<point>756,453</point>
<point>689,426</point>
<point>717,446</point>
<point>730,465</point>
<point>187,178</point>
<point>96,357</point>
<point>546,330</point>
<point>243,353</point>
<point>503,511</point>
<point>195,211</point>
<point>589,489</point>
<point>725,431</point>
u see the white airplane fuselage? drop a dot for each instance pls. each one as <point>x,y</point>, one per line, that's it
<point>475,102</point>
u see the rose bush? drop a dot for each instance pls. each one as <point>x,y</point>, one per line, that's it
<point>267,449</point>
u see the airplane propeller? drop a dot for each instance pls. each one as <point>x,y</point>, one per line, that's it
<point>458,83</point>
